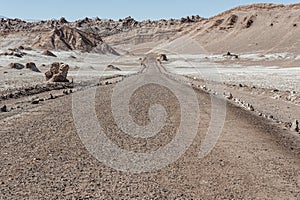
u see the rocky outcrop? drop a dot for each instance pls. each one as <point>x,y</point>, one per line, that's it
<point>232,20</point>
<point>95,25</point>
<point>66,38</point>
<point>57,72</point>
<point>249,21</point>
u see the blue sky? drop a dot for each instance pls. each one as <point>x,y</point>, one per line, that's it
<point>116,9</point>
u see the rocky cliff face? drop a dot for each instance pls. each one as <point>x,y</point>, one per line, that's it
<point>66,38</point>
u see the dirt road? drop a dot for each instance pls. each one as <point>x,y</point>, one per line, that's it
<point>43,157</point>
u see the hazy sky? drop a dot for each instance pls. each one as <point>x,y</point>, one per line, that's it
<point>116,9</point>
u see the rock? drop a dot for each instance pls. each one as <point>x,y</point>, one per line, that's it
<point>57,73</point>
<point>112,67</point>
<point>61,76</point>
<point>48,53</point>
<point>229,96</point>
<point>4,108</point>
<point>32,67</point>
<point>250,107</point>
<point>277,96</point>
<point>249,22</point>
<point>19,55</point>
<point>35,101</point>
<point>295,126</point>
<point>231,55</point>
<point>16,66</point>
<point>163,57</point>
<point>54,69</point>
<point>63,20</point>
<point>232,20</point>
<point>203,87</point>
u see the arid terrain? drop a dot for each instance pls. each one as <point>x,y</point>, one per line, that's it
<point>190,108</point>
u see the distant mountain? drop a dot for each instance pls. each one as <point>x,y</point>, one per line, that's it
<point>1,16</point>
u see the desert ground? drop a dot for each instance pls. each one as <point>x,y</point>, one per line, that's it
<point>191,108</point>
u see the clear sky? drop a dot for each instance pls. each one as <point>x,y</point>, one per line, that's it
<point>116,9</point>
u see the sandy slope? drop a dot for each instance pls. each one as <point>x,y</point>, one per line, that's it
<point>273,29</point>
<point>259,28</point>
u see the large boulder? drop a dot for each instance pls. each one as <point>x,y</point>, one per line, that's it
<point>54,69</point>
<point>57,72</point>
<point>32,67</point>
<point>16,66</point>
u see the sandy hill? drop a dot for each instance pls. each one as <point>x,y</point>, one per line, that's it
<point>259,27</point>
<point>254,28</point>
